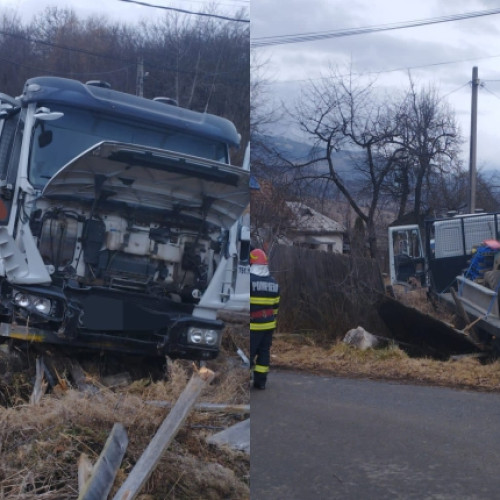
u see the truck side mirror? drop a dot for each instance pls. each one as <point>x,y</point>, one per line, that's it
<point>44,115</point>
<point>45,138</point>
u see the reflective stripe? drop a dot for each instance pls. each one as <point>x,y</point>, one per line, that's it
<point>270,325</point>
<point>261,369</point>
<point>262,313</point>
<point>262,301</point>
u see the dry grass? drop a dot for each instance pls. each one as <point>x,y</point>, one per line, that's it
<point>40,445</point>
<point>300,353</point>
<point>314,353</point>
<point>417,298</point>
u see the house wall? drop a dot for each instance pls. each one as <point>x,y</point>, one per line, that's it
<point>326,243</point>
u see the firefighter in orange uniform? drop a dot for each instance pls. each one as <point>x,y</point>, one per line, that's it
<point>264,303</point>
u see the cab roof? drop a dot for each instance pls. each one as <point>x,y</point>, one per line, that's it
<point>63,91</point>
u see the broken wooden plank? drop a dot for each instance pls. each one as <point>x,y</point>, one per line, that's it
<point>223,408</point>
<point>474,355</point>
<point>164,436</point>
<point>40,385</point>
<point>80,378</point>
<point>243,357</point>
<point>236,437</point>
<point>85,468</point>
<point>104,472</point>
<point>48,374</point>
<point>210,407</point>
<point>469,325</point>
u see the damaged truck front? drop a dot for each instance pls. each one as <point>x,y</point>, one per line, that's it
<point>120,221</point>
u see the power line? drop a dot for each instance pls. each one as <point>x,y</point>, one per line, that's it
<point>428,65</point>
<point>183,11</point>
<point>393,70</point>
<point>63,47</point>
<point>70,73</point>
<point>218,3</point>
<point>321,35</point>
<point>488,90</point>
<point>456,90</point>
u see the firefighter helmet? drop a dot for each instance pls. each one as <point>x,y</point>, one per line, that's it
<point>258,256</point>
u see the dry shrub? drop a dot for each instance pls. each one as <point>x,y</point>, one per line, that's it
<point>418,299</point>
<point>324,292</point>
<point>40,445</point>
<point>178,373</point>
<point>180,476</point>
<point>391,364</point>
<point>15,384</point>
<point>231,383</point>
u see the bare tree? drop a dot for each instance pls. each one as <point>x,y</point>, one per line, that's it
<point>487,192</point>
<point>271,218</point>
<point>204,63</point>
<point>430,137</point>
<point>344,113</point>
<point>263,112</point>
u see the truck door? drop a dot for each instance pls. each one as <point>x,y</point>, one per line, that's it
<point>406,255</point>
<point>9,153</point>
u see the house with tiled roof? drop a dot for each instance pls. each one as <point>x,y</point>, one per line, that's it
<point>275,220</point>
<point>311,229</point>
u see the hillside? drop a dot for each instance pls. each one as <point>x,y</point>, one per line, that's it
<point>300,152</point>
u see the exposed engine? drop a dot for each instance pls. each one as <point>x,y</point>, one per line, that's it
<point>169,256</point>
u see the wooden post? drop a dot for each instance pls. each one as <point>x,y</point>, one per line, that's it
<point>164,436</point>
<point>101,481</point>
<point>85,468</point>
<point>469,328</point>
<point>40,386</point>
<point>208,407</point>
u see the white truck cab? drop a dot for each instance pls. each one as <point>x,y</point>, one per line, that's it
<point>120,221</point>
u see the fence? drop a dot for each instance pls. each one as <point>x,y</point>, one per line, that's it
<point>325,292</point>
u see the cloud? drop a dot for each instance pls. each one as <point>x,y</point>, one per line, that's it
<point>441,55</point>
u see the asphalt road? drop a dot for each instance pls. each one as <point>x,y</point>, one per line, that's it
<point>315,437</point>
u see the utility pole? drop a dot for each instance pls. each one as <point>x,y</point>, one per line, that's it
<point>473,142</point>
<point>140,77</point>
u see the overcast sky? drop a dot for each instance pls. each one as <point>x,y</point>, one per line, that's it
<point>441,54</point>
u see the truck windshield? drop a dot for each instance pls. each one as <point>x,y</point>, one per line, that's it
<point>57,142</point>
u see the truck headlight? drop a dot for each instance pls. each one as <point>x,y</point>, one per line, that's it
<point>195,336</point>
<point>22,300</point>
<point>202,336</point>
<point>34,303</point>
<point>43,305</point>
<point>211,337</point>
